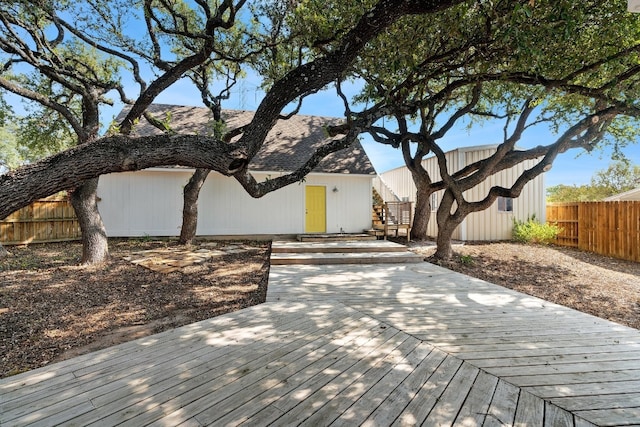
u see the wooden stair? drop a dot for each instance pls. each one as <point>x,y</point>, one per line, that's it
<point>341,252</point>
<point>337,237</point>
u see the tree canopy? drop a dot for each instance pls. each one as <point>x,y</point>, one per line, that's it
<point>424,65</point>
<point>619,177</point>
<point>570,67</point>
<point>97,25</point>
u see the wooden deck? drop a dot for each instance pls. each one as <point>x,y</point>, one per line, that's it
<point>353,345</point>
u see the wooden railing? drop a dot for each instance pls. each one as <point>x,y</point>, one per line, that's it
<point>393,216</point>
<point>48,220</point>
<point>606,228</point>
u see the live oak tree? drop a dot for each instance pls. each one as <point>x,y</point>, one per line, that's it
<point>217,129</point>
<point>457,59</point>
<point>64,79</point>
<point>571,66</point>
<point>121,152</point>
<point>223,68</point>
<point>66,57</point>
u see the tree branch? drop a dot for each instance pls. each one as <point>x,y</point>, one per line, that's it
<point>119,153</point>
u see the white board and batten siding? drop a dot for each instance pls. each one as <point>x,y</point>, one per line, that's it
<point>149,202</point>
<point>489,224</point>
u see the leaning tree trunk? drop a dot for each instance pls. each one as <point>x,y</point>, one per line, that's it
<point>447,223</point>
<point>444,251</point>
<point>95,247</point>
<point>190,207</point>
<point>422,214</point>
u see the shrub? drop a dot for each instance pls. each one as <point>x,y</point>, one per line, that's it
<point>532,231</point>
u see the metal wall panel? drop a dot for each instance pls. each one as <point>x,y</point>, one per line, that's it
<point>489,224</point>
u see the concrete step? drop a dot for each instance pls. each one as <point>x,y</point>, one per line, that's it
<point>337,247</point>
<point>345,258</point>
<point>340,237</point>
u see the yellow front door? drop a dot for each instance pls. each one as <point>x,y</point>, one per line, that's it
<point>315,209</point>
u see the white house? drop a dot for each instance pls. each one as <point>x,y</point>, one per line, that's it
<point>334,198</point>
<point>631,195</point>
<point>495,223</point>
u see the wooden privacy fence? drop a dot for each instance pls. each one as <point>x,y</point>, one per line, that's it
<point>48,220</point>
<point>606,228</point>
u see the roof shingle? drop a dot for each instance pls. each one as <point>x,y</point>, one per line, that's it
<point>288,145</point>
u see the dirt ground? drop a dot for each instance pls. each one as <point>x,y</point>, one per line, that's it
<point>605,287</point>
<point>52,309</point>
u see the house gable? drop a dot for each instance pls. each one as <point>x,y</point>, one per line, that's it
<point>287,147</point>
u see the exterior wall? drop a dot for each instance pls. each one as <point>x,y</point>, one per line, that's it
<point>142,203</point>
<point>149,202</point>
<point>489,224</point>
<point>629,196</point>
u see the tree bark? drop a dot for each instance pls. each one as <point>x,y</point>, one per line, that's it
<point>190,207</point>
<point>447,223</point>
<point>422,212</point>
<point>444,251</point>
<point>119,153</point>
<point>95,247</point>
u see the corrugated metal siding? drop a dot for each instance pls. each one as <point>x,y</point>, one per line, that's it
<point>399,180</point>
<point>489,224</point>
<point>150,202</point>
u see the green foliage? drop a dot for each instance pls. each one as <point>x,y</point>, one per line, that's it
<point>43,132</point>
<point>6,112</point>
<point>466,259</point>
<point>619,177</point>
<point>10,155</point>
<point>532,231</point>
<point>576,193</point>
<point>218,128</point>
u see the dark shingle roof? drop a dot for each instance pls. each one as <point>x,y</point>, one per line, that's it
<point>287,146</point>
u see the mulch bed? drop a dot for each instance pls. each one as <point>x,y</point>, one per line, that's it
<point>605,287</point>
<point>52,309</point>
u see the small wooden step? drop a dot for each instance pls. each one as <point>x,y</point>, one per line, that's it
<point>345,258</point>
<point>341,252</point>
<point>337,237</point>
<point>337,247</point>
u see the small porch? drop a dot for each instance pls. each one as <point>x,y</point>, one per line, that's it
<point>392,219</point>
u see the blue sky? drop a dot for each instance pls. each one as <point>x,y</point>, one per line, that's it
<point>573,167</point>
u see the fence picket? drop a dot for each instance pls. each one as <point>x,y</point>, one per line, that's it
<point>606,228</point>
<point>47,220</point>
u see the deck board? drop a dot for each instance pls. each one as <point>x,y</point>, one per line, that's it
<point>502,410</point>
<point>344,345</point>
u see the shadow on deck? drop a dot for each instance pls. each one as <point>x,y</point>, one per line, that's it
<point>354,345</point>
